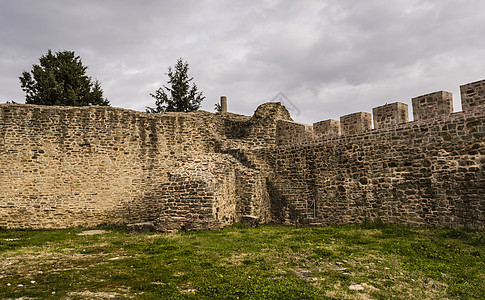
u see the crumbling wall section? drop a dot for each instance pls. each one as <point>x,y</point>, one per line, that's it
<point>262,125</point>
<point>210,192</point>
<point>84,166</point>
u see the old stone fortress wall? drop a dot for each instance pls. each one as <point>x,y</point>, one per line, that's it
<point>85,166</point>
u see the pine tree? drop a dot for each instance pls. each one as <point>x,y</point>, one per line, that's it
<point>218,107</point>
<point>60,79</point>
<point>183,97</point>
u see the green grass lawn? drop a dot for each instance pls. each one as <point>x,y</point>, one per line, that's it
<point>270,262</point>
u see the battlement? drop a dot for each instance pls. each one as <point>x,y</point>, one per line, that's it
<point>326,129</point>
<point>291,130</point>
<point>356,123</point>
<point>390,115</point>
<point>430,107</point>
<point>473,96</point>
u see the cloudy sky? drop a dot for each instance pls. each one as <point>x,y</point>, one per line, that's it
<point>329,57</point>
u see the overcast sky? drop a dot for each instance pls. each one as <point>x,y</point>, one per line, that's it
<point>330,58</point>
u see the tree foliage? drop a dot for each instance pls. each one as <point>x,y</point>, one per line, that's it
<point>60,79</point>
<point>179,95</point>
<point>218,107</point>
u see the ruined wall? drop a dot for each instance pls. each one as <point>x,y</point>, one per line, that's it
<point>67,166</point>
<point>212,191</point>
<point>84,166</point>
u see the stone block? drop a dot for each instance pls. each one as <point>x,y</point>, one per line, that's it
<point>390,115</point>
<point>288,132</point>
<point>251,221</point>
<point>432,106</point>
<point>473,96</point>
<point>356,123</point>
<point>140,227</point>
<point>326,129</point>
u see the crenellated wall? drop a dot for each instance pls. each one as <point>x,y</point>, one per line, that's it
<point>426,108</point>
<point>71,166</point>
<point>426,172</point>
<point>420,174</point>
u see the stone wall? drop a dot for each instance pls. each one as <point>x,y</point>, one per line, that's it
<point>432,106</point>
<point>67,166</point>
<point>85,166</point>
<point>418,173</point>
<point>430,171</point>
<point>473,96</point>
<point>70,166</point>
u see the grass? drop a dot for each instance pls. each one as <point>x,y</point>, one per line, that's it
<point>269,262</point>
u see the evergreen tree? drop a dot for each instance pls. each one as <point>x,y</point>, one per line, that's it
<point>183,97</point>
<point>60,79</point>
<point>218,107</point>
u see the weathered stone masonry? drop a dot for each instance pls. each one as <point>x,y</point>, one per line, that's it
<point>415,174</point>
<point>85,166</point>
<point>426,172</point>
<point>62,167</point>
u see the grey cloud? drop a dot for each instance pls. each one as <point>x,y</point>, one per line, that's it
<point>329,57</point>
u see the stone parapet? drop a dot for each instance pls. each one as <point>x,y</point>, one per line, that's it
<point>473,96</point>
<point>288,132</point>
<point>390,115</point>
<point>356,123</point>
<point>432,106</point>
<point>326,129</point>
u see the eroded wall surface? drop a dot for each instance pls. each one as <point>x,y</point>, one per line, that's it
<point>68,166</point>
<point>85,166</point>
